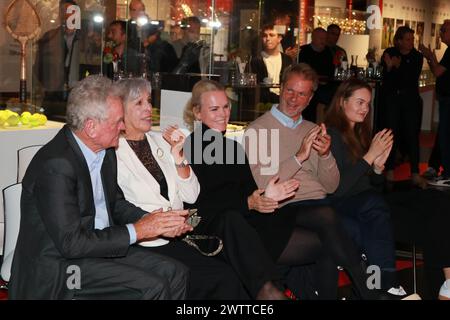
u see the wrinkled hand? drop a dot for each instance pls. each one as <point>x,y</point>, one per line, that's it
<point>158,223</point>
<point>307,143</point>
<point>380,142</point>
<point>261,203</point>
<point>322,143</point>
<point>176,139</point>
<point>280,191</point>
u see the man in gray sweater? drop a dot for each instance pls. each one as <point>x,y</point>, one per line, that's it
<point>300,150</point>
<point>303,150</point>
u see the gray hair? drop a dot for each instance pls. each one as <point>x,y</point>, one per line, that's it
<point>88,100</point>
<point>131,89</point>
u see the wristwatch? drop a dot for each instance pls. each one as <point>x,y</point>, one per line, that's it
<point>182,164</point>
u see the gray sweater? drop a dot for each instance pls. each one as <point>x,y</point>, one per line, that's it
<point>318,176</point>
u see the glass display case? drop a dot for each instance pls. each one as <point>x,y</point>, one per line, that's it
<point>203,37</point>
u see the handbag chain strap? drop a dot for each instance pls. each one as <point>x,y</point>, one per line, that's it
<point>190,240</point>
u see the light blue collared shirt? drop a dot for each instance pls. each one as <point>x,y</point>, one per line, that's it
<point>95,162</point>
<point>284,119</point>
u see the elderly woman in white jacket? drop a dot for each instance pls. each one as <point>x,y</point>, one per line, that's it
<point>154,176</point>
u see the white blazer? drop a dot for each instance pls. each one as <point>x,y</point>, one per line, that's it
<point>141,188</point>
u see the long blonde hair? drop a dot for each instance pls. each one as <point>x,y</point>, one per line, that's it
<point>195,102</point>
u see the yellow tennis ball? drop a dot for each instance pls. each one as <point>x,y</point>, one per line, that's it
<point>34,122</point>
<point>25,117</point>
<point>3,117</point>
<point>42,119</point>
<point>26,114</point>
<point>13,120</point>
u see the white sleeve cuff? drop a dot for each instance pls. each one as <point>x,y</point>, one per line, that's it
<point>298,161</point>
<point>132,233</point>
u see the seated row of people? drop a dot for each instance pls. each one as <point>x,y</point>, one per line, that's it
<point>72,200</point>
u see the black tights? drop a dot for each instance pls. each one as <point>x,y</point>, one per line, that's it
<point>318,236</point>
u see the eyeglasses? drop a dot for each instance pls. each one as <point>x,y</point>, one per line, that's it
<point>301,95</point>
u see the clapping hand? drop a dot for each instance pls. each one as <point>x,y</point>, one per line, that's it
<point>307,144</point>
<point>176,139</point>
<point>322,143</point>
<point>426,51</point>
<point>280,191</point>
<point>381,142</point>
<point>378,163</point>
<point>266,201</point>
<point>391,61</point>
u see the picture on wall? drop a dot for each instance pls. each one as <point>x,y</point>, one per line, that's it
<point>398,23</point>
<point>438,37</point>
<point>433,35</point>
<point>407,23</point>
<point>419,32</point>
<point>387,37</point>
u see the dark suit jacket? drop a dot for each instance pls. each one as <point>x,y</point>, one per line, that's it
<point>259,67</point>
<point>57,220</point>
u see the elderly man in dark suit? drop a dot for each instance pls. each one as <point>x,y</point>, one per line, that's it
<point>77,231</point>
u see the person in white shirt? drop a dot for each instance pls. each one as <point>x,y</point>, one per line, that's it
<point>269,66</point>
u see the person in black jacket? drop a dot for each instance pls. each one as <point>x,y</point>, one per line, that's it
<point>361,160</point>
<point>160,55</point>
<point>402,110</point>
<point>319,57</point>
<point>122,60</point>
<point>441,70</point>
<point>417,216</point>
<point>270,64</point>
<point>77,231</point>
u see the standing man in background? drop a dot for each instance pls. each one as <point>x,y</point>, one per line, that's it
<point>441,71</point>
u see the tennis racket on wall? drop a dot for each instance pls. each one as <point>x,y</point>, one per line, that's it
<point>23,24</point>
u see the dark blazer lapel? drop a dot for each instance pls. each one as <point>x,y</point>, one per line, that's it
<point>108,183</point>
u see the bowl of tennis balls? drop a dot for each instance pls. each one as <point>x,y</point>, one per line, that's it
<point>10,118</point>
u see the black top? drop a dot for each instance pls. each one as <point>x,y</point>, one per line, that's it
<point>404,79</point>
<point>443,82</point>
<point>224,186</point>
<point>144,153</point>
<point>321,62</point>
<point>356,177</point>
